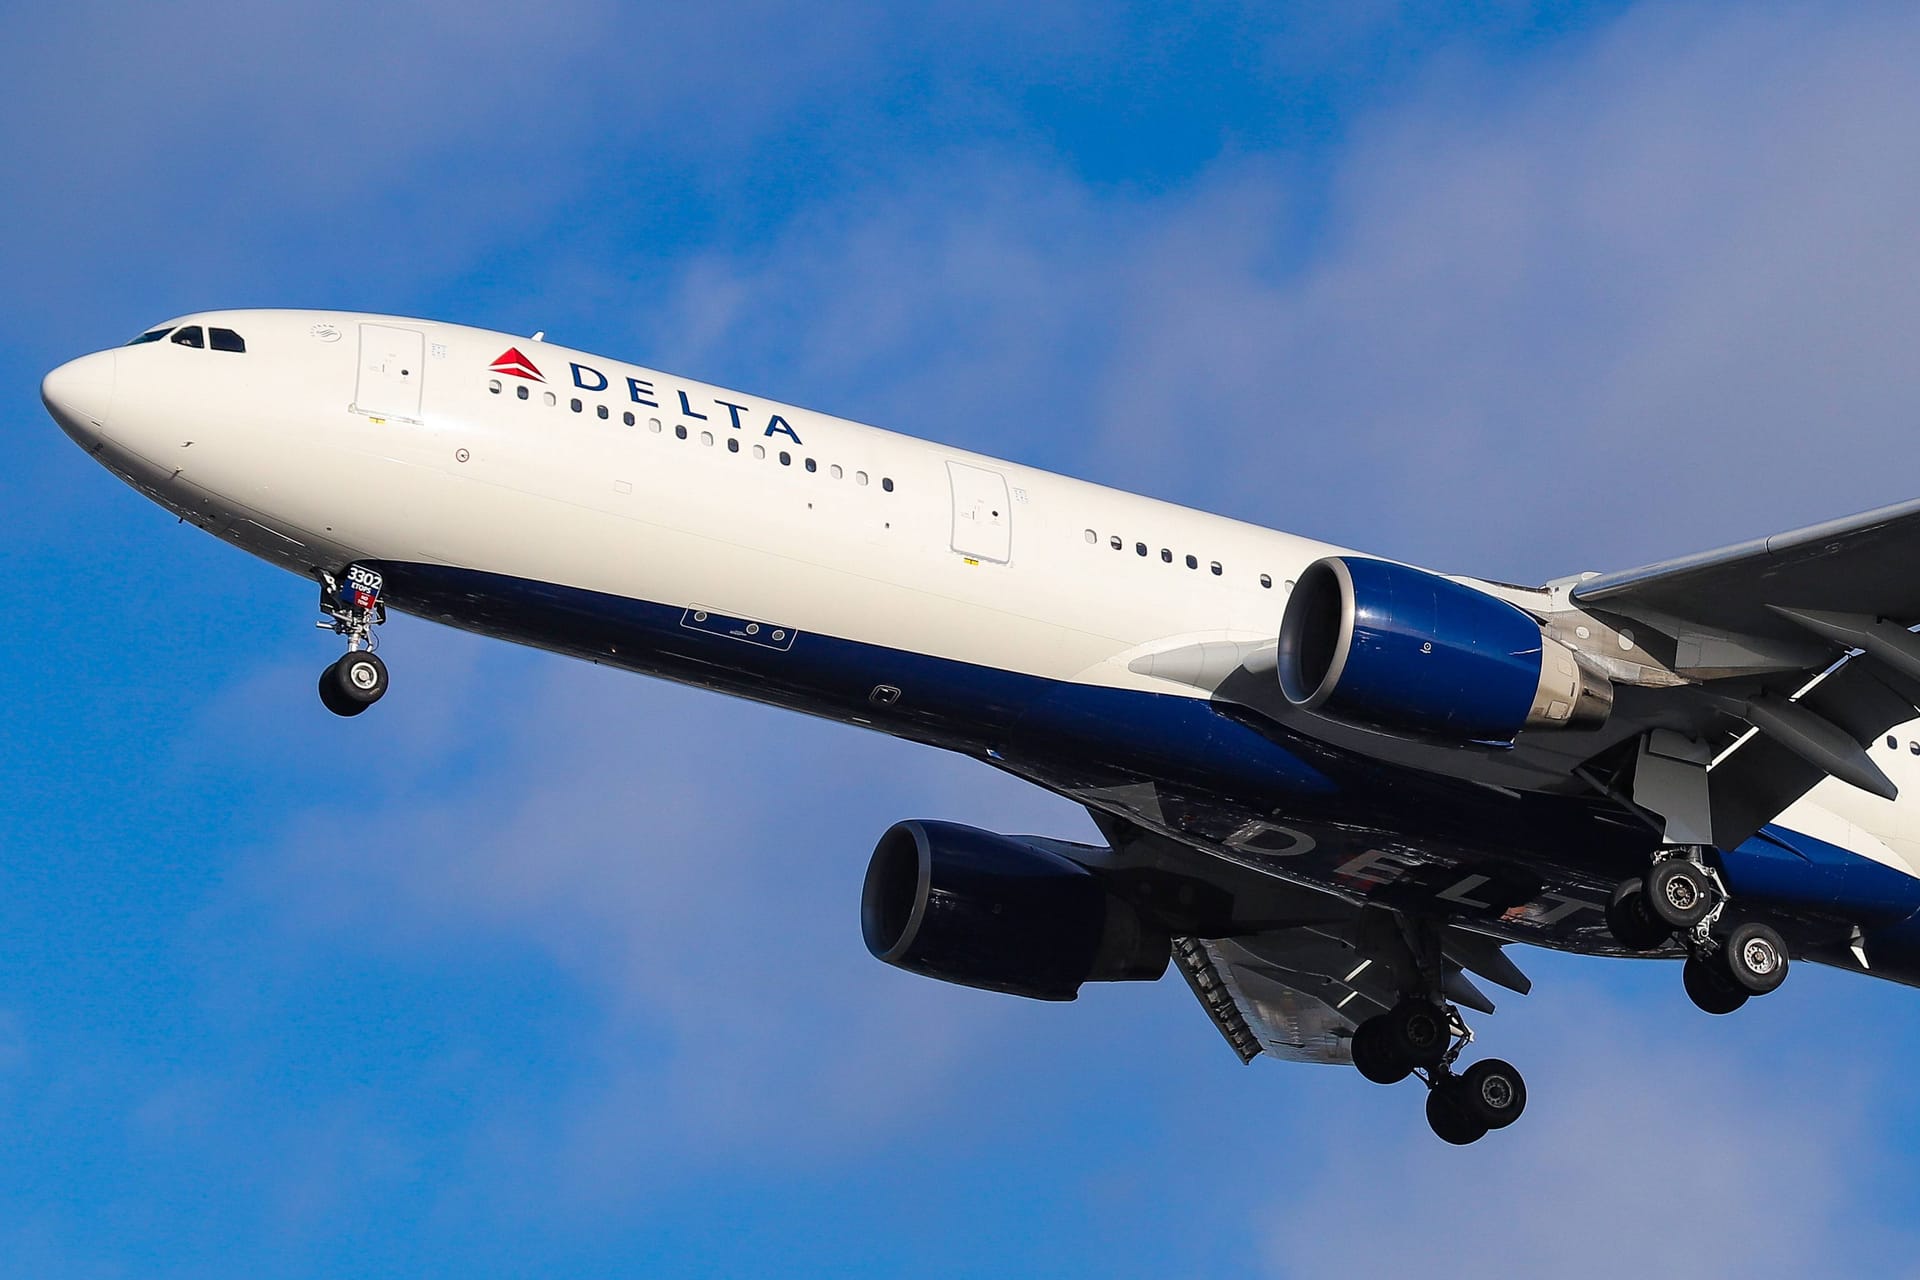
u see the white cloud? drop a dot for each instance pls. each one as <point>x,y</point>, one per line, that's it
<point>1654,1144</point>
<point>1621,299</point>
<point>694,863</point>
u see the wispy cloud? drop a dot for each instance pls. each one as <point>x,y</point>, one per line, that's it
<point>1648,1145</point>
<point>697,865</point>
<point>1665,265</point>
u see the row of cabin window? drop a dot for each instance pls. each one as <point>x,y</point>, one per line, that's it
<point>1893,744</point>
<point>1166,556</point>
<point>680,431</point>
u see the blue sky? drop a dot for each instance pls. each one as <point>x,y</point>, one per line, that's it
<point>546,970</point>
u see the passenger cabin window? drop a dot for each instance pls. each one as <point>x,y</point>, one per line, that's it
<point>226,340</point>
<point>151,335</point>
<point>190,337</point>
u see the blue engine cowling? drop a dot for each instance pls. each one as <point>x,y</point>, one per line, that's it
<point>1000,913</point>
<point>1378,643</point>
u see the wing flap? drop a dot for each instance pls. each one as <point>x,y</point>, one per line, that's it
<point>1295,1009</point>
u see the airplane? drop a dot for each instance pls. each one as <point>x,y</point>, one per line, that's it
<point>1333,788</point>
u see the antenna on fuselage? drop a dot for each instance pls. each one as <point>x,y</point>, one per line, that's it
<point>540,336</point>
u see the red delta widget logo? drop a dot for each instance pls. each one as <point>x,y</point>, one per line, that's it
<point>641,391</point>
<point>514,363</point>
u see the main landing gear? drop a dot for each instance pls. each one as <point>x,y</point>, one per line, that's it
<point>1422,1037</point>
<point>353,607</point>
<point>1682,894</point>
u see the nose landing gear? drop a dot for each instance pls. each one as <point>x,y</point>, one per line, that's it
<point>1683,894</point>
<point>353,608</point>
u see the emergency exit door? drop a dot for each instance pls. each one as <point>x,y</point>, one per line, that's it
<point>982,517</point>
<point>390,372</point>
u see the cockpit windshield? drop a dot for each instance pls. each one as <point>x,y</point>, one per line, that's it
<point>195,336</point>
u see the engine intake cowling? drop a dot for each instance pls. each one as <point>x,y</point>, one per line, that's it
<point>1000,913</point>
<point>1383,644</point>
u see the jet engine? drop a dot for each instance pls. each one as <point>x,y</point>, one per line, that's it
<point>1379,643</point>
<point>1000,913</point>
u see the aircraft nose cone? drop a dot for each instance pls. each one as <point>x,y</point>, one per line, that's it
<point>79,394</point>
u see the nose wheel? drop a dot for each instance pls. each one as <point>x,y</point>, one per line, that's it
<point>353,608</point>
<point>354,683</point>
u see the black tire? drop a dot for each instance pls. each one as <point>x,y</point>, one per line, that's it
<point>1449,1118</point>
<point>1634,926</point>
<point>1710,986</point>
<point>1678,894</point>
<point>360,677</point>
<point>1754,958</point>
<point>1373,1053</point>
<point>1493,1092</point>
<point>333,700</point>
<point>1417,1032</point>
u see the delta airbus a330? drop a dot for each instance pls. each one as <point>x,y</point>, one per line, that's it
<point>1333,787</point>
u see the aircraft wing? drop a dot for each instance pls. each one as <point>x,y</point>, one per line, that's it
<point>1297,993</point>
<point>1859,565</point>
<point>1803,637</point>
<point>1263,1008</point>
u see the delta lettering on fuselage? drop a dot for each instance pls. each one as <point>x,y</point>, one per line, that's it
<point>643,392</point>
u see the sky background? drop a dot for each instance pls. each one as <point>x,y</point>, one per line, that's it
<point>546,970</point>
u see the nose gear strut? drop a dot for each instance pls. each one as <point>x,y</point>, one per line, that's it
<point>353,608</point>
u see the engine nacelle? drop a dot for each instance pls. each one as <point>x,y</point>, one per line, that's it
<point>1408,651</point>
<point>997,912</point>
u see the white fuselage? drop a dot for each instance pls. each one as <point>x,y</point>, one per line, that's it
<point>331,439</point>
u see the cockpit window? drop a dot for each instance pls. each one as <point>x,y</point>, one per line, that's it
<point>189,337</point>
<point>225,340</point>
<point>151,335</point>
